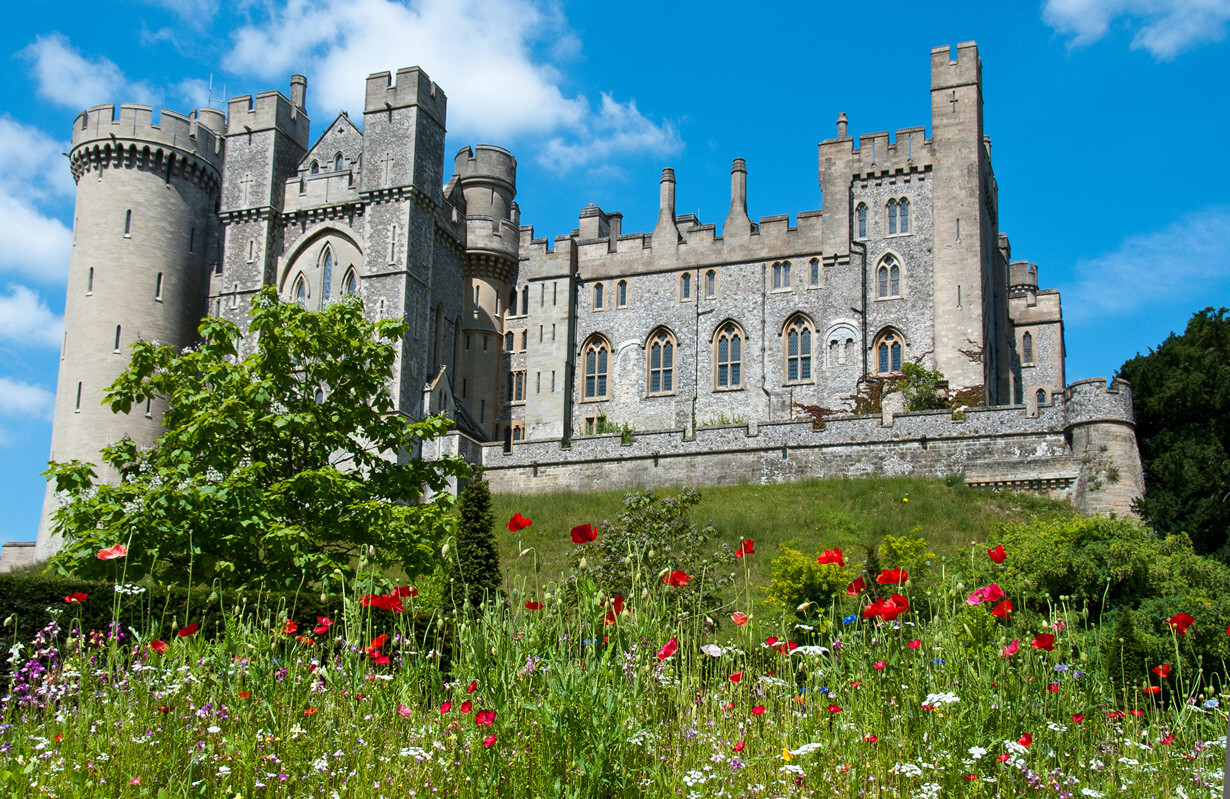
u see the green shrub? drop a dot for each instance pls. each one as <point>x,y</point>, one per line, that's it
<point>474,570</point>
<point>798,578</point>
<point>907,552</point>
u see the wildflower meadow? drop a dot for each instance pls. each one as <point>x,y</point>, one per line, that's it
<point>916,676</point>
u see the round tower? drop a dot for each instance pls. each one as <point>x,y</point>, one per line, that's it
<point>488,179</point>
<point>145,235</point>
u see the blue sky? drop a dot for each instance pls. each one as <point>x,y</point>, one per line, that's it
<point>1107,117</point>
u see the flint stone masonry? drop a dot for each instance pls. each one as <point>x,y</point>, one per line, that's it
<point>224,204</point>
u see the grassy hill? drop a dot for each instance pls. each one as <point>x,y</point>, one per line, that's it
<point>811,516</point>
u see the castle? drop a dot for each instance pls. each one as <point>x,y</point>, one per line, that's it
<point>702,345</point>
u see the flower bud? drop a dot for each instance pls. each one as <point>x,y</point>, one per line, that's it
<point>584,564</point>
<point>525,552</point>
<point>444,551</point>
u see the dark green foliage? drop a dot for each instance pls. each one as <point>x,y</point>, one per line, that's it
<point>275,467</point>
<point>921,388</point>
<point>654,535</point>
<point>474,571</point>
<point>1127,665</point>
<point>1181,394</point>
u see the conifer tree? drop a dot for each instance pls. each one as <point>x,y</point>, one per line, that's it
<point>474,571</point>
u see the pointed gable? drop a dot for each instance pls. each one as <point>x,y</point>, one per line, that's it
<point>342,139</point>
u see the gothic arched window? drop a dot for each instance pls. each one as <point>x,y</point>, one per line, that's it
<point>509,342</point>
<point>1027,348</point>
<point>326,263</point>
<point>596,355</point>
<point>350,284</point>
<point>798,334</point>
<point>892,217</point>
<point>903,215</point>
<point>621,294</point>
<point>889,349</point>
<point>728,356</point>
<point>685,286</point>
<point>711,283</point>
<point>661,362</point>
<point>598,298</point>
<point>314,168</point>
<point>861,217</point>
<point>300,291</point>
<point>338,163</point>
<point>888,278</point>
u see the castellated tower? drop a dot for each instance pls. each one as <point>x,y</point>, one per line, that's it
<point>145,236</point>
<point>487,177</point>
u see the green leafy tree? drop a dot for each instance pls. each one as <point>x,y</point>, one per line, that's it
<point>474,572</point>
<point>921,388</point>
<point>283,466</point>
<point>1181,394</point>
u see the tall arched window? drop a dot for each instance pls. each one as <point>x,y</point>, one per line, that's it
<point>300,291</point>
<point>621,299</point>
<point>661,351</point>
<point>512,301</point>
<point>509,342</point>
<point>314,168</point>
<point>860,215</point>
<point>338,163</point>
<point>596,355</point>
<point>350,284</point>
<point>815,272</point>
<point>798,335</point>
<point>525,300</point>
<point>889,349</point>
<point>711,283</point>
<point>685,286</point>
<point>598,298</point>
<point>326,262</point>
<point>781,275</point>
<point>903,215</point>
<point>728,356</point>
<point>888,278</point>
<point>892,217</point>
<point>1027,348</point>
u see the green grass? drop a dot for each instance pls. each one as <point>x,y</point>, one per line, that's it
<point>810,516</point>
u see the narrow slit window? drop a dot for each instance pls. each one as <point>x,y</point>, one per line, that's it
<point>78,405</point>
<point>685,291</point>
<point>892,217</point>
<point>117,338</point>
<point>815,272</point>
<point>598,297</point>
<point>1027,348</point>
<point>903,216</point>
<point>861,215</point>
<point>711,283</point>
<point>623,294</point>
<point>89,286</point>
<point>192,240</point>
<point>158,287</point>
<point>128,222</point>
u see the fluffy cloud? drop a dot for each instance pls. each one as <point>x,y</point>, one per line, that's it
<point>1175,265</point>
<point>501,84</point>
<point>1165,28</point>
<point>33,176</point>
<point>68,78</point>
<point>18,399</point>
<point>26,319</point>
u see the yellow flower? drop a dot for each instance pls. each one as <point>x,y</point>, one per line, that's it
<point>905,499</point>
<point>786,755</point>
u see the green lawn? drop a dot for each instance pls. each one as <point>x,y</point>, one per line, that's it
<point>811,516</point>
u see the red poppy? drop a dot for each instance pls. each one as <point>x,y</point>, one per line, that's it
<point>164,709</point>
<point>831,556</point>
<point>245,694</point>
<point>111,553</point>
<point>1025,740</point>
<point>834,709</point>
<point>615,608</point>
<point>583,533</point>
<point>1010,649</point>
<point>323,623</point>
<point>518,523</point>
<point>390,602</point>
<point>736,677</point>
<point>1044,641</point>
<point>1078,718</point>
<point>914,644</point>
<point>1162,671</point>
<point>893,577</point>
<point>377,642</point>
<point>472,687</point>
<point>1003,609</point>
<point>997,554</point>
<point>758,710</point>
<point>879,665</point>
<point>77,598</point>
<point>290,627</point>
<point>404,591</point>
<point>785,647</point>
<point>1180,622</point>
<point>729,706</point>
<point>158,646</point>
<point>870,739</point>
<point>1136,712</point>
<point>1152,689</point>
<point>532,605</point>
<point>1167,740</point>
<point>1053,687</point>
<point>668,649</point>
<point>1116,714</point>
<point>484,718</point>
<point>303,639</point>
<point>676,578</point>
<point>856,587</point>
<point>887,609</point>
<point>739,618</point>
<point>446,707</point>
<point>1002,758</point>
<point>466,706</point>
<point>739,747</point>
<point>311,711</point>
<point>188,631</point>
<point>746,548</point>
<point>489,740</point>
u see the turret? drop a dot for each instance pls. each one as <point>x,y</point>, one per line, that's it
<point>145,235</point>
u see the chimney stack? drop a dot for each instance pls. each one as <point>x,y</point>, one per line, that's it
<point>737,223</point>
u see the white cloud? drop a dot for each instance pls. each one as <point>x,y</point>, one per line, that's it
<point>500,83</point>
<point>25,400</point>
<point>26,319</point>
<point>1165,28</point>
<point>1179,264</point>
<point>33,175</point>
<point>68,78</point>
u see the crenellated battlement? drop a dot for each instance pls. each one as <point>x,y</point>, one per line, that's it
<point>1090,401</point>
<point>948,72</point>
<point>135,125</point>
<point>908,150</point>
<point>486,163</point>
<point>1022,277</point>
<point>268,111</point>
<point>412,88</point>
